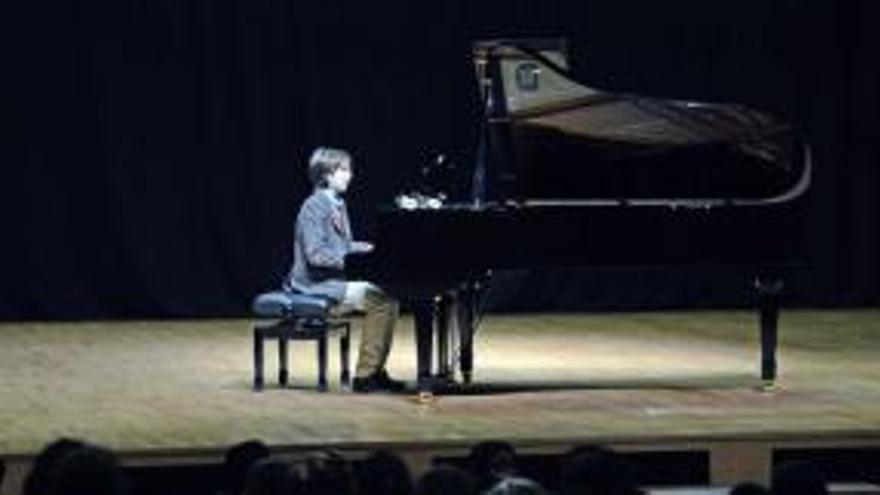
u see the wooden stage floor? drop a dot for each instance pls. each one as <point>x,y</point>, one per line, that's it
<point>686,378</point>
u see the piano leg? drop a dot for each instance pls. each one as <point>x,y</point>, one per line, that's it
<point>444,308</point>
<point>769,292</point>
<point>467,298</point>
<point>423,313</point>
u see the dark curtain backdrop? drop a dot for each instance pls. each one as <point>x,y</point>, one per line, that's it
<point>154,150</point>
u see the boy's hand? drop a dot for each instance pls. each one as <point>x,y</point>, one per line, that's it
<point>361,247</point>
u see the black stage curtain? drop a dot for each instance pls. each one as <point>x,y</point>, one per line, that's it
<point>155,147</point>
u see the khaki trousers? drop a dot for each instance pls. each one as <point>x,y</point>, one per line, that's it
<point>382,312</point>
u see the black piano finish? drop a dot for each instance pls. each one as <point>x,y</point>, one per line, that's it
<point>425,255</point>
<point>603,234</point>
<point>568,175</point>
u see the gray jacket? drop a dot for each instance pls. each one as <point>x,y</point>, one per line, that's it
<point>321,241</point>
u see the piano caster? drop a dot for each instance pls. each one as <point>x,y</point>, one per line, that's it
<point>425,391</point>
<point>769,387</point>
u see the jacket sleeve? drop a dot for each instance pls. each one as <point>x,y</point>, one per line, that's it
<point>316,229</point>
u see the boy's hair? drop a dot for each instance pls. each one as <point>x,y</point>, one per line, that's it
<point>324,161</point>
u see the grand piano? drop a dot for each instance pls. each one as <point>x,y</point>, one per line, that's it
<point>570,175</point>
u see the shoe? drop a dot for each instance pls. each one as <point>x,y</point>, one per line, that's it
<point>389,383</point>
<point>377,382</point>
<point>366,385</point>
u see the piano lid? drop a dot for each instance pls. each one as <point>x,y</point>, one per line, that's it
<point>554,139</point>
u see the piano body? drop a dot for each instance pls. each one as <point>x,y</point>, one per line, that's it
<point>568,175</point>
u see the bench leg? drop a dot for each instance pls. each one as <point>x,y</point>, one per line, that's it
<point>322,362</point>
<point>282,359</point>
<point>344,346</point>
<point>258,359</point>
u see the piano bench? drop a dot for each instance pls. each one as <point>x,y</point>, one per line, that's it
<point>298,317</point>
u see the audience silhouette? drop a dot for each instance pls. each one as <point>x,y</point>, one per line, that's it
<point>270,476</point>
<point>798,478</point>
<point>490,462</point>
<point>237,461</point>
<point>596,471</point>
<point>45,464</point>
<point>444,479</point>
<point>74,467</point>
<point>384,473</point>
